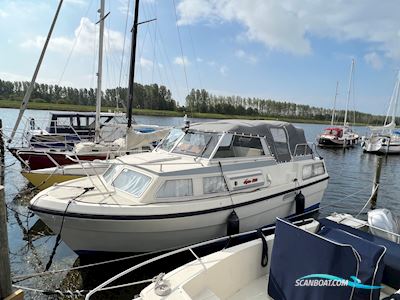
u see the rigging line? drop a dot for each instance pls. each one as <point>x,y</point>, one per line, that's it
<point>195,55</point>
<point>118,94</point>
<point>181,47</point>
<point>154,49</point>
<point>161,40</point>
<point>94,60</point>
<point>74,45</point>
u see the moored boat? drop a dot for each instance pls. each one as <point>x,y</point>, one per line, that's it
<point>340,136</point>
<point>189,189</point>
<point>337,257</point>
<point>385,139</point>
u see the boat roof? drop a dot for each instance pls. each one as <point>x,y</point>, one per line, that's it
<point>334,128</point>
<point>82,114</point>
<point>251,127</point>
<point>261,128</point>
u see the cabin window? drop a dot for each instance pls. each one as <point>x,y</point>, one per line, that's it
<point>313,170</point>
<point>64,121</point>
<point>169,142</point>
<point>131,182</point>
<point>176,188</point>
<point>214,184</point>
<point>199,144</point>
<point>239,146</point>
<point>279,135</point>
<point>109,174</point>
<point>282,152</point>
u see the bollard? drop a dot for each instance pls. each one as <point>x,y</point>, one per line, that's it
<point>375,187</point>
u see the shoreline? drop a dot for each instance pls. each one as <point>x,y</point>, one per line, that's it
<point>15,104</point>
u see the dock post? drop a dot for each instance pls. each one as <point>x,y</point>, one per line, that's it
<point>375,187</point>
<point>5,278</point>
<point>2,154</point>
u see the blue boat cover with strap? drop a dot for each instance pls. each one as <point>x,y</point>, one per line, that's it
<point>297,253</point>
<point>371,264</point>
<point>391,260</point>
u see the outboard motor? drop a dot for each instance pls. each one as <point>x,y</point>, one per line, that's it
<point>382,218</point>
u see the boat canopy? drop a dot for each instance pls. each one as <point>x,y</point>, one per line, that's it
<point>336,131</point>
<point>275,132</point>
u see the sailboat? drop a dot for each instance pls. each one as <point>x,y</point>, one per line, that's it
<point>340,136</point>
<point>385,139</point>
<point>128,138</point>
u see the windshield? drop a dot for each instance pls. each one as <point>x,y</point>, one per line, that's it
<point>199,144</point>
<point>169,142</point>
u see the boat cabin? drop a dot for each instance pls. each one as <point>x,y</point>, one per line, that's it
<point>81,123</point>
<point>335,131</point>
<point>238,138</point>
<point>189,162</point>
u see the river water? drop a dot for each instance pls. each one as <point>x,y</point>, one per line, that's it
<point>351,174</point>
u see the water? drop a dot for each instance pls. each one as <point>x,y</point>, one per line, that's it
<point>351,174</point>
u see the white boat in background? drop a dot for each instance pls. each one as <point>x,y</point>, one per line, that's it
<point>194,186</point>
<point>338,257</point>
<point>340,136</point>
<point>385,139</point>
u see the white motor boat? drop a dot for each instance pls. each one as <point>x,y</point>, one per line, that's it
<point>338,257</point>
<point>385,139</point>
<point>198,183</point>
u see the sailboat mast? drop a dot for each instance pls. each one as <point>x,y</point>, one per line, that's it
<point>132,64</point>
<point>99,72</point>
<point>28,92</point>
<point>396,99</point>
<point>349,91</point>
<point>334,103</point>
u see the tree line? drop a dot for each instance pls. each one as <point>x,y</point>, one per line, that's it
<point>151,96</point>
<point>202,101</point>
<point>159,97</point>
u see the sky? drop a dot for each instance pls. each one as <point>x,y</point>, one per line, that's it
<point>285,50</point>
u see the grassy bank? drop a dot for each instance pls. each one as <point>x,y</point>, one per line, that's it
<point>5,103</point>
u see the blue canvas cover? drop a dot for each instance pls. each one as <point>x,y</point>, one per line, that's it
<point>391,272</point>
<point>297,253</point>
<point>371,264</point>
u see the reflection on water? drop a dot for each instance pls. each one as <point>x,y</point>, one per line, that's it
<point>351,172</point>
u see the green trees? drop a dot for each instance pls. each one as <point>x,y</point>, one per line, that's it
<point>146,96</point>
<point>159,97</point>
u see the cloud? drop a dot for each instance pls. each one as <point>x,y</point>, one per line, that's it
<point>289,25</point>
<point>223,70</point>
<point>374,60</point>
<point>84,40</point>
<point>146,63</point>
<point>245,56</point>
<point>3,14</point>
<point>78,2</point>
<point>179,60</point>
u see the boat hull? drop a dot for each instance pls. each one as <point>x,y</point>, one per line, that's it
<point>47,159</point>
<point>336,143</point>
<point>44,181</point>
<point>129,233</point>
<point>381,148</point>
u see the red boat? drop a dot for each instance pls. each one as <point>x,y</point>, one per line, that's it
<point>39,158</point>
<point>338,137</point>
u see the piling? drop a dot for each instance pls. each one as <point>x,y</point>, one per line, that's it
<point>375,187</point>
<point>2,164</point>
<point>5,269</point>
<point>5,278</point>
